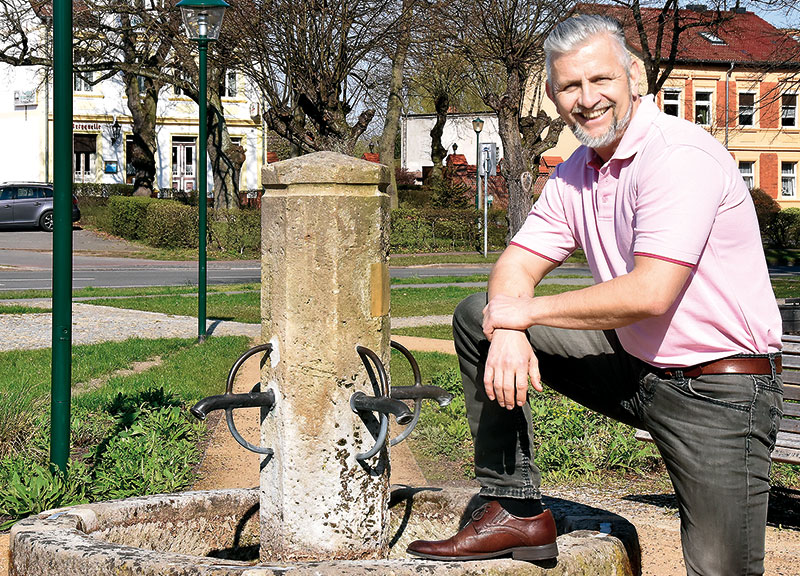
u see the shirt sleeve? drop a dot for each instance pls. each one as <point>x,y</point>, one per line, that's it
<point>546,231</point>
<point>678,196</point>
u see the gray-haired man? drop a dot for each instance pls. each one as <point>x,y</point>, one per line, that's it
<point>680,335</point>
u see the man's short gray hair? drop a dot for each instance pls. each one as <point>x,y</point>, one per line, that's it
<point>576,30</point>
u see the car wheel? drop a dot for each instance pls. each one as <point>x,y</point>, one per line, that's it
<point>46,221</point>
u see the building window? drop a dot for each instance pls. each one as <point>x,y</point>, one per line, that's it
<point>789,110</point>
<point>672,102</point>
<point>82,81</point>
<point>746,170</point>
<point>788,179</point>
<point>142,84</point>
<point>747,106</point>
<point>702,108</point>
<point>713,38</point>
<point>230,84</point>
<point>84,152</point>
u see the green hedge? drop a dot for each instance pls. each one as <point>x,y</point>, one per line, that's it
<point>128,214</point>
<point>102,190</point>
<point>443,230</point>
<point>236,232</point>
<point>170,224</point>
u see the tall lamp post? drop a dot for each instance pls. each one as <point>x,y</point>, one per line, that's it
<point>203,20</point>
<point>61,378</point>
<point>477,125</point>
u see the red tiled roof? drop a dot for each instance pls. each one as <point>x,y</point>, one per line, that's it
<point>371,157</point>
<point>748,39</point>
<point>550,161</point>
<point>456,159</point>
<point>272,157</point>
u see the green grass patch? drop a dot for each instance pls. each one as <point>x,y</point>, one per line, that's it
<point>786,287</point>
<point>425,259</point>
<point>443,300</point>
<point>242,307</point>
<point>91,291</point>
<point>17,309</point>
<point>130,435</point>
<point>438,331</point>
<point>441,279</point>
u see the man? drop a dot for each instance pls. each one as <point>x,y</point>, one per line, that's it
<point>680,334</point>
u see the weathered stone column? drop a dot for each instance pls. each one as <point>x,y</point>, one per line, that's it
<point>325,290</point>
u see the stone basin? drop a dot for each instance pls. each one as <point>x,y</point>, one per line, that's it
<point>217,533</point>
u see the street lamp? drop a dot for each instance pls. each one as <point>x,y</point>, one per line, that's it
<point>203,20</point>
<point>477,125</point>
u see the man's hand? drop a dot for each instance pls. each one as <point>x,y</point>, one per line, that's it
<point>506,312</point>
<point>509,364</point>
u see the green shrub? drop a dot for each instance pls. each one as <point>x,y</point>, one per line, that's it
<point>449,194</point>
<point>30,488</point>
<point>127,216</point>
<point>90,189</point>
<point>170,224</point>
<point>766,208</point>
<point>442,230</point>
<point>236,231</point>
<point>783,230</point>
<point>413,197</point>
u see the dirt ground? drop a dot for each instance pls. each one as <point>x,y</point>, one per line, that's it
<point>650,508</point>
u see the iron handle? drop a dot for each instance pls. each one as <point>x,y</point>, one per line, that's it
<point>417,392</point>
<point>361,402</point>
<point>230,401</point>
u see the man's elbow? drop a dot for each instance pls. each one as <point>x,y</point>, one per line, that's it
<point>656,304</point>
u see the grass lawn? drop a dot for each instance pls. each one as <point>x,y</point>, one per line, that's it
<point>131,433</point>
<point>17,309</point>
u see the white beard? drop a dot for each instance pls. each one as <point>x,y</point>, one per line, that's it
<point>612,134</point>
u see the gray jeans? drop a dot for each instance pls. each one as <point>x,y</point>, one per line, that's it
<point>715,433</point>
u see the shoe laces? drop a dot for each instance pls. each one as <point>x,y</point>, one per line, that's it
<point>478,513</point>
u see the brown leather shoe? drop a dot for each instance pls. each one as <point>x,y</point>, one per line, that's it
<point>493,532</point>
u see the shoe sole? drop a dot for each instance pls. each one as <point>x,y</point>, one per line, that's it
<point>525,553</point>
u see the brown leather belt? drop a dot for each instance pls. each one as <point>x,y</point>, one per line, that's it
<point>732,365</point>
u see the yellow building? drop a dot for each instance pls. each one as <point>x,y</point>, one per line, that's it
<point>739,77</point>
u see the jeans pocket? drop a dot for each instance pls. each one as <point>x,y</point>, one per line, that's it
<point>736,391</point>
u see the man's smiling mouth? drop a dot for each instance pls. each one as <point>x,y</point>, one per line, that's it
<point>592,114</point>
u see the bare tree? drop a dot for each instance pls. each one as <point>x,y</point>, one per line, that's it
<point>314,61</point>
<point>502,41</point>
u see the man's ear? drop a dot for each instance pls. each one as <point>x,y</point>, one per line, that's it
<point>635,74</point>
<point>549,91</point>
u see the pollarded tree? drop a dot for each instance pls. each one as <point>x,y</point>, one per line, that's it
<point>502,40</point>
<point>314,61</point>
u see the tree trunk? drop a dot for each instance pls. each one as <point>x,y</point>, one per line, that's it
<point>226,158</point>
<point>394,105</point>
<point>438,152</point>
<point>143,112</point>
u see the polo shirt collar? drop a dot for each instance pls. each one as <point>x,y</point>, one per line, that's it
<point>634,136</point>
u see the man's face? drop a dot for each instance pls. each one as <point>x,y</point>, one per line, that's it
<point>593,93</point>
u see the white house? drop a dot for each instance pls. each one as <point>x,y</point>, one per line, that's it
<point>26,115</point>
<point>415,143</point>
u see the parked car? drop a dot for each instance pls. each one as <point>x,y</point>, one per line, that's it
<point>30,204</point>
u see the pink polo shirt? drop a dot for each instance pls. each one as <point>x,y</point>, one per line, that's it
<point>670,191</point>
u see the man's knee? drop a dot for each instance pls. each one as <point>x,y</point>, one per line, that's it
<point>468,315</point>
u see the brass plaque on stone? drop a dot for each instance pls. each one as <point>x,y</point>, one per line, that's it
<point>379,289</point>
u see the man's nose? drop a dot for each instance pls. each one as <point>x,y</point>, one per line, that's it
<point>589,95</point>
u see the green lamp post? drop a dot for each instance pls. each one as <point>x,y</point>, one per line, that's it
<point>61,378</point>
<point>477,125</point>
<point>203,20</point>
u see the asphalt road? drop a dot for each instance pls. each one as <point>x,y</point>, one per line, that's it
<point>26,262</point>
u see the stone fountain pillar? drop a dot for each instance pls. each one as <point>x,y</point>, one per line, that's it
<point>325,290</point>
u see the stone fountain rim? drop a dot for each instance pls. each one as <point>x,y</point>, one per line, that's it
<point>71,528</point>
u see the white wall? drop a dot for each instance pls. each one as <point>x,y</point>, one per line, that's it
<point>416,138</point>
